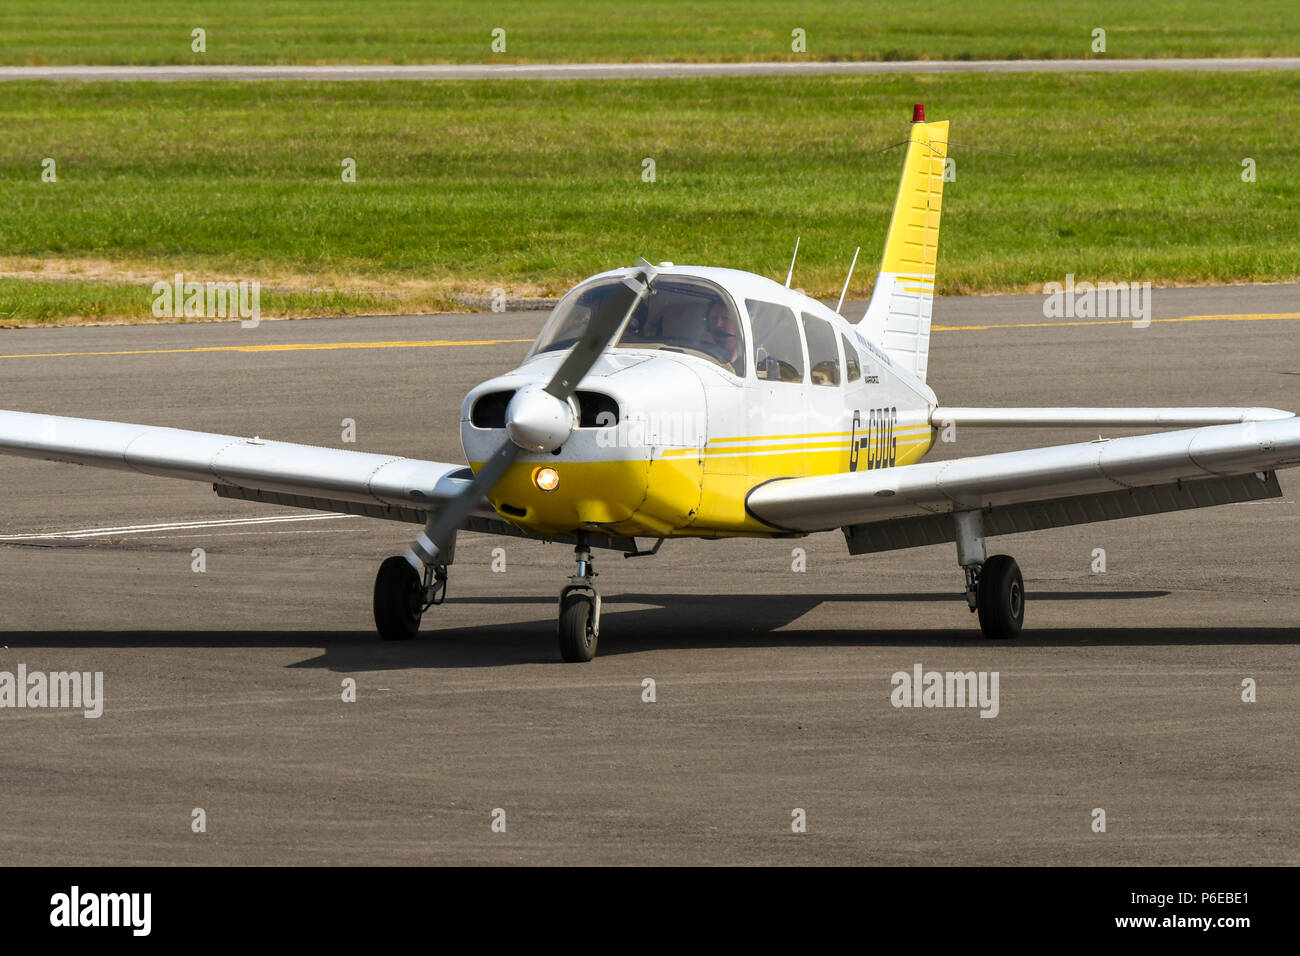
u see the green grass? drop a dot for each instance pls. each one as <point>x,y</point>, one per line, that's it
<point>43,302</point>
<point>533,185</point>
<point>459,31</point>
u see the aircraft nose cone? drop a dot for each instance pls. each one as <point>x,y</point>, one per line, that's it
<point>538,421</point>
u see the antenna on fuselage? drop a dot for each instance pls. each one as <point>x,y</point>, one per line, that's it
<point>790,275</point>
<point>847,278</point>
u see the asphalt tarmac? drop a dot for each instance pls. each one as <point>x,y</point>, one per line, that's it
<point>222,690</point>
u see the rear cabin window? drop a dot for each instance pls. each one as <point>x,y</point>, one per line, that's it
<point>778,351</point>
<point>852,366</point>
<point>823,352</point>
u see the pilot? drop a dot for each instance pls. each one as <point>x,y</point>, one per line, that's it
<point>725,331</point>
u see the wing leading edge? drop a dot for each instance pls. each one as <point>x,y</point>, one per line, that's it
<point>1038,487</point>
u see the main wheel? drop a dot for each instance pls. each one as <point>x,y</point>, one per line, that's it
<point>399,600</point>
<point>1000,598</point>
<point>577,639</point>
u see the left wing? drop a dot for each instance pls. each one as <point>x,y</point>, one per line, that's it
<point>1037,488</point>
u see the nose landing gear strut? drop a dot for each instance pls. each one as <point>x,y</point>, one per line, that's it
<point>579,624</point>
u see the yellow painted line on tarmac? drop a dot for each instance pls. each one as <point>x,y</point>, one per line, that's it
<point>451,343</point>
<point>1244,317</point>
<point>293,347</point>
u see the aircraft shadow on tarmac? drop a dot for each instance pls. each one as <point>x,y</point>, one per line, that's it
<point>681,622</point>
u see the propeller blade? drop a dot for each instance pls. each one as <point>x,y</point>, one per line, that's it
<point>437,533</point>
<point>601,330</point>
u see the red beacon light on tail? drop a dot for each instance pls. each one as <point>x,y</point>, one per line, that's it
<point>918,113</point>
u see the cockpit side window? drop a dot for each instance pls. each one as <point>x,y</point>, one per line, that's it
<point>681,314</point>
<point>853,366</point>
<point>778,351</point>
<point>823,352</point>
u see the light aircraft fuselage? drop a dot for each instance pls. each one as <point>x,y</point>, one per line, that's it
<point>671,435</point>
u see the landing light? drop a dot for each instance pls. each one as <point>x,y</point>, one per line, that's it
<point>547,479</point>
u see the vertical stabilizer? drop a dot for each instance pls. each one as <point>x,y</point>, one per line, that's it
<point>898,318</point>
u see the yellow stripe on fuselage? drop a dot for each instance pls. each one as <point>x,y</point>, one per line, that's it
<point>839,434</point>
<point>750,445</point>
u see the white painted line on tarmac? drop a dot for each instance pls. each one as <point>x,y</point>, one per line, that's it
<point>169,526</point>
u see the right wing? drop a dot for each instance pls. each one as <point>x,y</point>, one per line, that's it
<point>302,476</point>
<point>271,472</point>
<point>1036,488</point>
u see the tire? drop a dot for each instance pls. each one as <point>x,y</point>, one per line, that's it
<point>1000,598</point>
<point>398,600</point>
<point>577,643</point>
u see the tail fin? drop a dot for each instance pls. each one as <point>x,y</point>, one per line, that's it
<point>898,318</point>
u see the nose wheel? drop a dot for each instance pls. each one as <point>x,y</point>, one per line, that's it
<point>579,625</point>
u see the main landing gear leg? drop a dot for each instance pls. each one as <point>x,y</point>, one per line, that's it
<point>405,588</point>
<point>579,626</point>
<point>994,587</point>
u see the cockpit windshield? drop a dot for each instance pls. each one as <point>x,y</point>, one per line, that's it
<point>681,314</point>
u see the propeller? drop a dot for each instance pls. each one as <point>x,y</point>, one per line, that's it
<point>537,418</point>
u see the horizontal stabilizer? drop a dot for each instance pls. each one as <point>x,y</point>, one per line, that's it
<point>1101,417</point>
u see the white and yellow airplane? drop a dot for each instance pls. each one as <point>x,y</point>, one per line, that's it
<point>676,401</point>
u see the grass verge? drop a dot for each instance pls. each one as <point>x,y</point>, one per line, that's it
<point>529,186</point>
